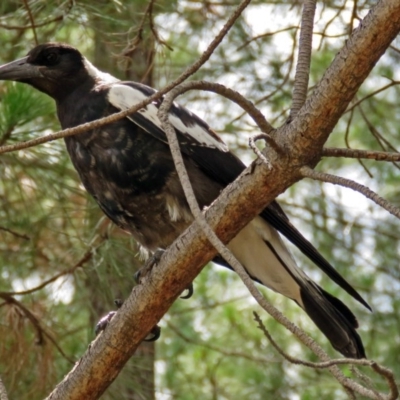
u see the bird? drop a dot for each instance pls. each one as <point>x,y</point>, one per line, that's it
<point>128,169</point>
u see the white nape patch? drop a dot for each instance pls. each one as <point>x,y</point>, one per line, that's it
<point>95,73</point>
<point>124,97</point>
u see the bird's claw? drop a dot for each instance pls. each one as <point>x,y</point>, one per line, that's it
<point>190,292</point>
<point>152,262</point>
<point>104,321</point>
<point>148,266</point>
<point>154,334</point>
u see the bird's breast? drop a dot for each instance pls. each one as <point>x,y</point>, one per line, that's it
<point>133,179</point>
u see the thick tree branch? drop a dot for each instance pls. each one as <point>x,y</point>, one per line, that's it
<point>302,139</point>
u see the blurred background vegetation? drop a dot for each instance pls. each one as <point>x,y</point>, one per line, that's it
<point>67,263</point>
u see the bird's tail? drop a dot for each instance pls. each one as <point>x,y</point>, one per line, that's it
<point>262,252</point>
<point>334,319</point>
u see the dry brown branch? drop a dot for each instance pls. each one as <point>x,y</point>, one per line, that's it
<point>307,172</point>
<point>16,234</point>
<point>374,93</point>
<point>31,20</point>
<point>40,330</point>
<point>304,58</point>
<point>357,153</point>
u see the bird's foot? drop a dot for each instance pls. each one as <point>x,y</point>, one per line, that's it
<point>190,292</point>
<point>148,266</point>
<point>153,335</point>
<point>104,321</point>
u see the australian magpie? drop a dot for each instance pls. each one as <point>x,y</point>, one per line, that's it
<point>127,167</point>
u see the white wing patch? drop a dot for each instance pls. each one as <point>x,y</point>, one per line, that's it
<point>124,97</point>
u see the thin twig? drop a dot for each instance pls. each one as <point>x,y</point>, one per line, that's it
<point>36,324</point>
<point>32,21</point>
<point>18,235</point>
<point>307,172</point>
<point>304,58</point>
<point>221,350</point>
<point>356,153</point>
<point>271,142</point>
<point>264,35</point>
<point>357,103</point>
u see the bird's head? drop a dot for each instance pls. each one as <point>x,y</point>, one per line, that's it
<point>53,68</point>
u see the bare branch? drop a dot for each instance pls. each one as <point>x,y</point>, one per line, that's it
<point>307,172</point>
<point>304,58</point>
<point>356,153</point>
<point>32,21</point>
<point>41,331</point>
<point>16,234</point>
<point>270,141</point>
<point>358,102</point>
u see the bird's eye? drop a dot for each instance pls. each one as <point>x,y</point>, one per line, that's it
<point>51,58</point>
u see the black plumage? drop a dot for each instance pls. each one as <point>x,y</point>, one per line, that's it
<point>127,167</point>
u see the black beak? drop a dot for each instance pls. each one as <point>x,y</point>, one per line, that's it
<point>19,70</point>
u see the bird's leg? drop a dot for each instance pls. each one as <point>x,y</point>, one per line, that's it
<point>153,335</point>
<point>153,260</point>
<point>148,266</point>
